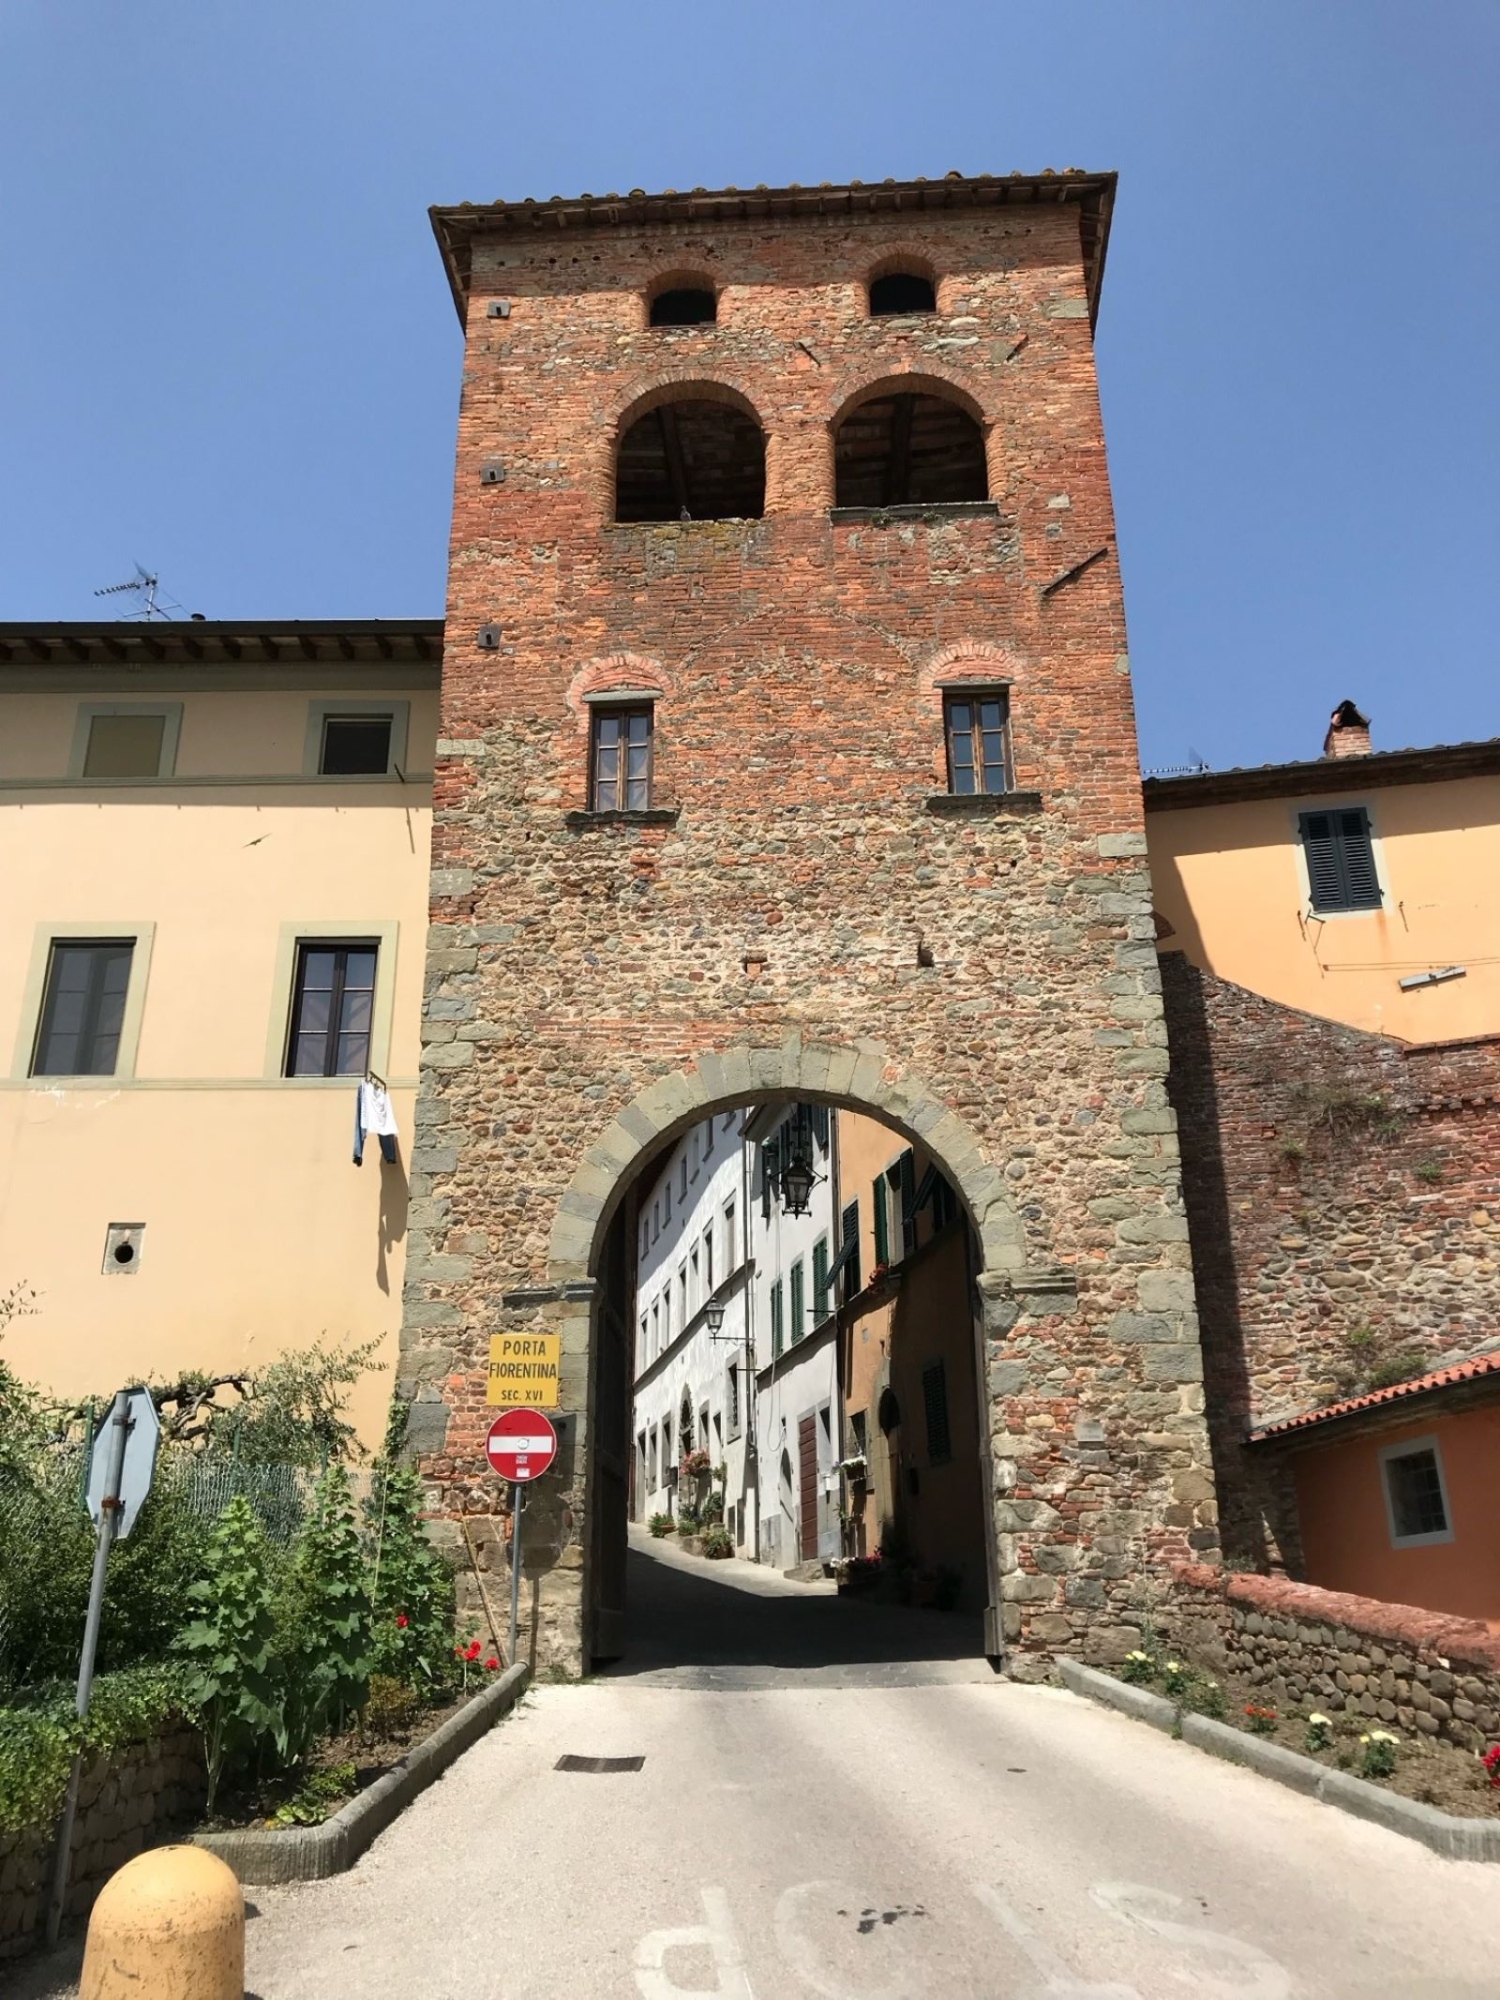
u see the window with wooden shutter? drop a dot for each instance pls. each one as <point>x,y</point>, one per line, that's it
<point>778,1319</point>
<point>1340,860</point>
<point>820,1280</point>
<point>935,1408</point>
<point>849,1249</point>
<point>798,1301</point>
<point>882,1222</point>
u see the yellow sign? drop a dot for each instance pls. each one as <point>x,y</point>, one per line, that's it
<point>523,1370</point>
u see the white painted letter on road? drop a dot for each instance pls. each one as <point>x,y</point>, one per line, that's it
<point>716,1933</point>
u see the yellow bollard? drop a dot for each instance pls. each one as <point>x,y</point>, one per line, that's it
<point>171,1925</point>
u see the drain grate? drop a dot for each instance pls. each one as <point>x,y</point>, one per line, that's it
<point>571,1763</point>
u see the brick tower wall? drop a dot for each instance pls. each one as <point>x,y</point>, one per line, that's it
<point>802,854</point>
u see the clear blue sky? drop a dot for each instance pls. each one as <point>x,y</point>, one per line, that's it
<point>227,350</point>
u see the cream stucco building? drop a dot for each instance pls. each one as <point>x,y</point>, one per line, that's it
<point>214,846</point>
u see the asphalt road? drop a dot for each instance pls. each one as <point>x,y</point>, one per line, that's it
<point>818,1833</point>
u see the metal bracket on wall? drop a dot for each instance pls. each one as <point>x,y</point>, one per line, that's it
<point>492,473</point>
<point>488,638</point>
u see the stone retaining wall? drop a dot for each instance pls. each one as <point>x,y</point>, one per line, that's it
<point>1409,1669</point>
<point>126,1802</point>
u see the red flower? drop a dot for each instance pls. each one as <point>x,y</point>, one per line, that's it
<point>474,1650</point>
<point>1491,1762</point>
<point>401,1621</point>
<point>492,1664</point>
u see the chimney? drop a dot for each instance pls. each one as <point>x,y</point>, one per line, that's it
<point>1348,732</point>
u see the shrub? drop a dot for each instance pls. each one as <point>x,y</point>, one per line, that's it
<point>661,1524</point>
<point>1260,1718</point>
<point>712,1509</point>
<point>390,1706</point>
<point>412,1587</point>
<point>228,1649</point>
<point>1139,1668</point>
<point>37,1741</point>
<point>689,1521</point>
<point>1177,1678</point>
<point>324,1640</point>
<point>1205,1697</point>
<point>717,1542</point>
<point>1378,1751</point>
<point>317,1796</point>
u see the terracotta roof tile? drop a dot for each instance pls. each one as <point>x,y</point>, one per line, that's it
<point>1475,1369</point>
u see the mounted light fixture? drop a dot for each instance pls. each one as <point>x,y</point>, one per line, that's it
<point>713,1314</point>
<point>797,1183</point>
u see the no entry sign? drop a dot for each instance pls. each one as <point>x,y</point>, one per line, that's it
<point>521,1445</point>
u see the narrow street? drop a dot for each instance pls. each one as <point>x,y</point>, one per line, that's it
<point>843,1827</point>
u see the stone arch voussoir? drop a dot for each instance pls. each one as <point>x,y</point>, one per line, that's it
<point>860,1075</point>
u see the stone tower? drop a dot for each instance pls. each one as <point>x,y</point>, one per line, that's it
<point>788,748</point>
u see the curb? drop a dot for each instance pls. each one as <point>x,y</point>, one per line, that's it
<point>260,1856</point>
<point>1446,1834</point>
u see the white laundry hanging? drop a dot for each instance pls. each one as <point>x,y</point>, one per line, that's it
<point>374,1112</point>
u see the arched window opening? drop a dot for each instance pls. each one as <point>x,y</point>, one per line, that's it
<point>900,451</point>
<point>901,292</point>
<point>691,461</point>
<point>684,305</point>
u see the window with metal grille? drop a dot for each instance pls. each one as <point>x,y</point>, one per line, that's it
<point>1414,1483</point>
<point>935,1407</point>
<point>1340,855</point>
<point>978,733</point>
<point>799,1301</point>
<point>620,760</point>
<point>355,746</point>
<point>778,1319</point>
<point>83,1008</point>
<point>333,1009</point>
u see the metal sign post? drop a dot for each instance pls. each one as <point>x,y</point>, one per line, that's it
<point>520,1447</point>
<point>120,1472</point>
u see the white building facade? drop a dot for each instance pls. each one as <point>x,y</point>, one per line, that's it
<point>759,1394</point>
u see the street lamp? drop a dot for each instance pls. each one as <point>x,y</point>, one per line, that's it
<point>713,1314</point>
<point>797,1183</point>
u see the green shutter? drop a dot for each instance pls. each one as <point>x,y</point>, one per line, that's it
<point>882,1223</point>
<point>799,1302</point>
<point>820,1279</point>
<point>778,1334</point>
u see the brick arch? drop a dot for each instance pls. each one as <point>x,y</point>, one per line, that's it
<point>858,1076</point>
<point>672,385</point>
<point>964,659</point>
<point>617,670</point>
<point>947,383</point>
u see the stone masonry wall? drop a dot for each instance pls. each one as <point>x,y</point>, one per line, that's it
<point>1410,1669</point>
<point>804,910</point>
<point>126,1803</point>
<point>1344,1196</point>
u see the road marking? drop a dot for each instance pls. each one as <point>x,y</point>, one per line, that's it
<point>801,1955</point>
<point>1252,1975</point>
<point>717,1933</point>
<point>1060,1983</point>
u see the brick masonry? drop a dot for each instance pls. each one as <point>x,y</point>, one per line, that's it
<point>1344,1196</point>
<point>127,1802</point>
<point>1414,1670</point>
<point>592,987</point>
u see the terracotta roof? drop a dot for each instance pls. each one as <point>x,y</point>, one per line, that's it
<point>1475,1369</point>
<point>1094,194</point>
<point>1316,776</point>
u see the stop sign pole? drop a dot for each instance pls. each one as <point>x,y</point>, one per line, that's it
<point>520,1446</point>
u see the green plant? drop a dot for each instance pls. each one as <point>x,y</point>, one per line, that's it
<point>1319,1734</point>
<point>412,1590</point>
<point>1205,1697</point>
<point>1139,1668</point>
<point>324,1642</point>
<point>689,1521</point>
<point>292,1411</point>
<point>1177,1678</point>
<point>712,1509</point>
<point>1398,1367</point>
<point>317,1796</point>
<point>1260,1718</point>
<point>717,1542</point>
<point>1378,1752</point>
<point>1293,1151</point>
<point>661,1524</point>
<point>37,1740</point>
<point>228,1649</point>
<point>1430,1171</point>
<point>390,1706</point>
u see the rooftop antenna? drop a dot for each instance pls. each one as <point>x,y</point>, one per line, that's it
<point>146,586</point>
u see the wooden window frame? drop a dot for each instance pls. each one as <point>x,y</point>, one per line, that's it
<point>1359,903</point>
<point>972,697</point>
<point>88,1035</point>
<point>340,948</point>
<point>797,1300</point>
<point>625,713</point>
<point>1413,1448</point>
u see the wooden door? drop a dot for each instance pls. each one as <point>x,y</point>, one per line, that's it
<point>807,1455</point>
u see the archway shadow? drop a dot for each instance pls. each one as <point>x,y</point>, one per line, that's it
<point>735,1624</point>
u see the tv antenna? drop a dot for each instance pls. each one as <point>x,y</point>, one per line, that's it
<point>146,586</point>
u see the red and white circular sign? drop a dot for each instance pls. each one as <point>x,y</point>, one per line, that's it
<point>521,1445</point>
